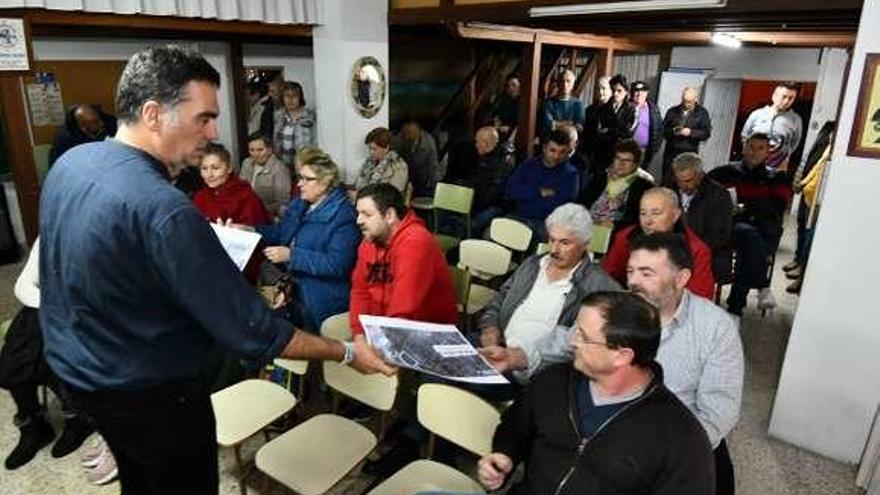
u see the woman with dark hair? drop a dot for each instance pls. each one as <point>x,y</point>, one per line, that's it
<point>269,177</point>
<point>295,125</point>
<point>383,165</point>
<point>613,198</point>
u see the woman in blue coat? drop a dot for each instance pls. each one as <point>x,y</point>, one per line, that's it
<point>317,238</point>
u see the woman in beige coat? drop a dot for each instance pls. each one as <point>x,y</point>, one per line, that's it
<point>267,175</point>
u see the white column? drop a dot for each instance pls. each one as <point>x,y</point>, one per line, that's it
<point>830,382</point>
<point>829,90</point>
<point>349,30</point>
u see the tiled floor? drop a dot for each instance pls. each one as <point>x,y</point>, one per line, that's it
<point>763,465</point>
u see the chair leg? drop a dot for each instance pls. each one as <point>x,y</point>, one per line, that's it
<point>301,390</point>
<point>431,441</point>
<point>241,471</point>
<point>382,425</point>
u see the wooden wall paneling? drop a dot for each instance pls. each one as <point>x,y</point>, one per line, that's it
<point>531,80</point>
<point>20,153</point>
<point>585,75</point>
<point>80,81</point>
<point>605,62</point>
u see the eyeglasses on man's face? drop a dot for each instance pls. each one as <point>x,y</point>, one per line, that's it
<point>578,337</point>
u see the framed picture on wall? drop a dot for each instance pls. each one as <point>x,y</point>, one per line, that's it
<point>15,52</point>
<point>865,138</point>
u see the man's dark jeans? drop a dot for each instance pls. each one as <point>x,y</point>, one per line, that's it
<point>753,250</point>
<point>164,438</point>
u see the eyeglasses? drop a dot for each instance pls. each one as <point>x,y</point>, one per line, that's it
<point>306,179</point>
<point>580,338</point>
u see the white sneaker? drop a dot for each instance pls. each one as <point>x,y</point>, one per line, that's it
<point>92,456</point>
<point>106,470</point>
<point>766,299</point>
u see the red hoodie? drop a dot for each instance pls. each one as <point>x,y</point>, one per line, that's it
<point>702,282</point>
<point>408,279</point>
<point>233,199</point>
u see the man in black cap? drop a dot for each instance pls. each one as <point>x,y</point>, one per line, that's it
<point>648,130</point>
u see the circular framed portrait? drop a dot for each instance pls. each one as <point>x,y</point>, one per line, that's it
<point>367,86</point>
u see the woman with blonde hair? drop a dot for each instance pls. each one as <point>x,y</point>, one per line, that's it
<point>316,240</point>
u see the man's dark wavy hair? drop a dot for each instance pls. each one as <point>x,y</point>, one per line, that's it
<point>159,74</point>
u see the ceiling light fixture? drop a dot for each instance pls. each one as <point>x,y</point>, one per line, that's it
<point>634,6</point>
<point>726,40</point>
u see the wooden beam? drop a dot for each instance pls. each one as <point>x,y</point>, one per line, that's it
<point>549,79</point>
<point>49,19</point>
<point>605,62</point>
<point>585,75</point>
<point>528,110</point>
<point>518,34</point>
<point>20,152</point>
<point>495,32</point>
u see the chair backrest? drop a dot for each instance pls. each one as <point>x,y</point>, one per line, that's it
<point>453,198</point>
<point>600,239</point>
<point>458,416</point>
<point>461,282</point>
<point>377,391</point>
<point>337,327</point>
<point>484,256</point>
<point>510,234</point>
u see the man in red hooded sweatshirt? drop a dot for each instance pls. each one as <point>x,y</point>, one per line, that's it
<point>400,270</point>
<point>402,273</point>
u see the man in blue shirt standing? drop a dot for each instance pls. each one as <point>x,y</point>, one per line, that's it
<point>542,183</point>
<point>135,285</point>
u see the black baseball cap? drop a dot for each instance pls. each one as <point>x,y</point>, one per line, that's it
<point>638,86</point>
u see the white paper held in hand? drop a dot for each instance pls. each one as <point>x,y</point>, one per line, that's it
<point>239,244</point>
<point>432,348</point>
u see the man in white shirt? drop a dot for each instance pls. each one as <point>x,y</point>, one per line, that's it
<point>780,123</point>
<point>543,293</point>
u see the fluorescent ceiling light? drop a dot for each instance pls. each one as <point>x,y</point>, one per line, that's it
<point>726,40</point>
<point>635,6</point>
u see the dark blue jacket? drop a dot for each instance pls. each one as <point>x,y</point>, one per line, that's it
<point>134,284</point>
<point>524,187</point>
<point>324,249</point>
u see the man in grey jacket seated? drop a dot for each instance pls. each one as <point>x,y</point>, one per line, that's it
<point>700,348</point>
<point>544,293</point>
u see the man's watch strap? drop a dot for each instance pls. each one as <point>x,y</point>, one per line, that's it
<point>348,357</point>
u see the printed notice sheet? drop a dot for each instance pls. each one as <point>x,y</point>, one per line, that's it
<point>432,348</point>
<point>239,244</point>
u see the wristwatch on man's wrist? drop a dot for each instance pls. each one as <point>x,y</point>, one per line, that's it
<point>348,357</point>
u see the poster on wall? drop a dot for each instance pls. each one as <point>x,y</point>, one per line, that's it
<point>13,45</point>
<point>865,138</point>
<point>46,104</point>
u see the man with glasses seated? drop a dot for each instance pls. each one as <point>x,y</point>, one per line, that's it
<point>607,425</point>
<point>700,348</point>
